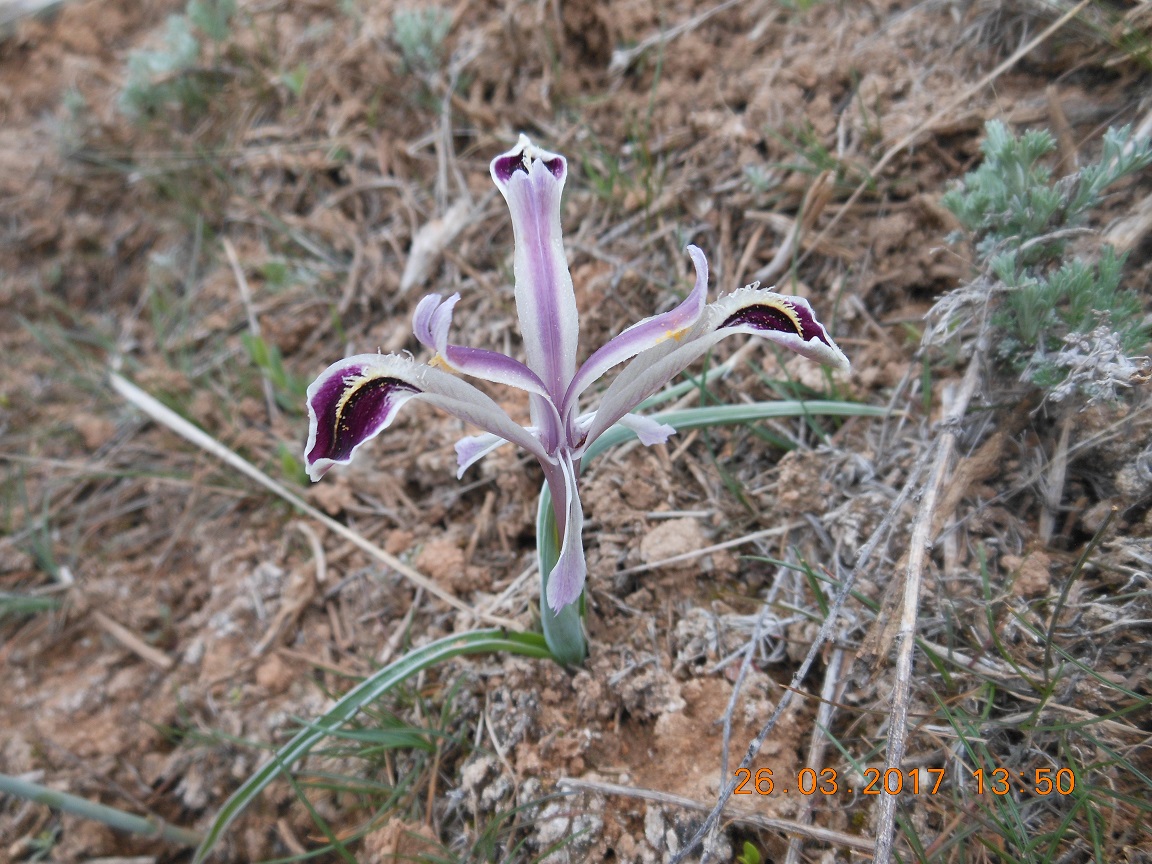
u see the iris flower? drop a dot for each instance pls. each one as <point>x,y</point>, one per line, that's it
<point>355,399</point>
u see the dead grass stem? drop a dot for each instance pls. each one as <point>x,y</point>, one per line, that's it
<point>169,418</point>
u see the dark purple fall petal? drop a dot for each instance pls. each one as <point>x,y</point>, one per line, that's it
<point>350,408</point>
<point>787,321</point>
<point>780,316</point>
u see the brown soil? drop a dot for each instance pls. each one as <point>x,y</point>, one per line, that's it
<point>195,622</point>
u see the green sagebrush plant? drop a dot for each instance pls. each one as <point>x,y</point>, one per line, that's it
<point>169,75</point>
<point>1064,324</point>
<point>419,33</point>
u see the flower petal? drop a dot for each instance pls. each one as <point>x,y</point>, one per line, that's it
<point>644,334</point>
<point>355,399</point>
<point>472,448</point>
<point>531,181</point>
<point>567,578</point>
<point>641,378</point>
<point>787,321</point>
<point>431,323</point>
<point>350,403</point>
<point>649,431</point>
<point>432,319</point>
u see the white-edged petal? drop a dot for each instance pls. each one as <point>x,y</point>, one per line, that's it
<point>431,324</point>
<point>531,181</point>
<point>567,578</point>
<point>357,398</point>
<point>472,448</point>
<point>649,431</point>
<point>787,321</point>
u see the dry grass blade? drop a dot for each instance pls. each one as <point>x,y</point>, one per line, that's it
<point>1055,483</point>
<point>947,110</point>
<point>918,547</point>
<point>623,58</point>
<point>824,835</point>
<point>815,200</point>
<point>707,550</point>
<point>167,417</point>
<point>819,743</point>
<point>133,642</point>
<point>253,322</point>
<point>430,242</point>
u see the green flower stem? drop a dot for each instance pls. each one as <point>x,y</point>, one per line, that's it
<point>149,827</point>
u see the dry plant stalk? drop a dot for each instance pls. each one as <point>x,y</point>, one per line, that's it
<point>918,548</point>
<point>945,111</point>
<point>823,835</point>
<point>823,635</point>
<point>819,742</point>
<point>167,417</point>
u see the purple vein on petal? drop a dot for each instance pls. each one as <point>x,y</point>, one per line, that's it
<point>531,181</point>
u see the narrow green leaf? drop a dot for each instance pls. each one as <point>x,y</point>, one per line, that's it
<point>371,688</point>
<point>725,415</point>
<point>149,827</point>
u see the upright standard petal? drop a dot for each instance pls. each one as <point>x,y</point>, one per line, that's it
<point>531,181</point>
<point>354,400</point>
<point>644,334</point>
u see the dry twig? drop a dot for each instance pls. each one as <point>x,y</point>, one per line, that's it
<point>819,743</point>
<point>133,642</point>
<point>918,548</point>
<point>622,58</point>
<point>164,415</point>
<point>824,835</point>
<point>708,550</point>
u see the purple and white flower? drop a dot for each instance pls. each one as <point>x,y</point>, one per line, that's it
<point>355,399</point>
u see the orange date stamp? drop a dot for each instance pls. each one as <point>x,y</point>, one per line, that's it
<point>893,781</point>
<point>827,781</point>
